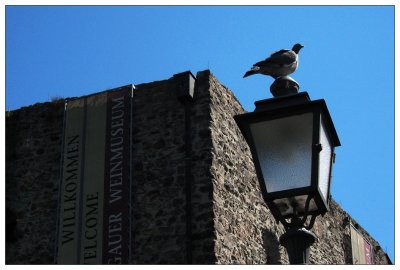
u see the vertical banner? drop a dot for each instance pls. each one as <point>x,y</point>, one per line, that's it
<point>93,185</point>
<point>362,251</point>
<point>117,173</point>
<point>69,216</point>
<point>94,210</point>
<point>368,251</point>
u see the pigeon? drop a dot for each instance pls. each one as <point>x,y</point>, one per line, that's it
<point>280,63</point>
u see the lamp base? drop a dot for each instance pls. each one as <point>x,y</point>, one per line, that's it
<point>297,242</point>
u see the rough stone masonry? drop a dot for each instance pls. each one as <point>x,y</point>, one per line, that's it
<point>195,196</point>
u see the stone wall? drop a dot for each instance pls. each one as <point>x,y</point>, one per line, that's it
<point>201,188</point>
<point>33,150</point>
<point>195,194</point>
<point>172,191</point>
<point>246,232</point>
<point>158,176</point>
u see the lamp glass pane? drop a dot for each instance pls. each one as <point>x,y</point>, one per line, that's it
<point>284,150</point>
<point>324,162</point>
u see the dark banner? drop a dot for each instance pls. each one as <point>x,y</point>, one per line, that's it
<point>94,215</point>
<point>117,174</point>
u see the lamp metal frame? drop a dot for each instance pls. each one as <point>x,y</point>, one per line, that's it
<point>282,110</point>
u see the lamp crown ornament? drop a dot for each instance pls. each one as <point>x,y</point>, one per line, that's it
<point>279,65</point>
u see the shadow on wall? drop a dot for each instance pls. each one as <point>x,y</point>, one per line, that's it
<point>347,249</point>
<point>11,226</point>
<point>271,247</point>
<point>348,258</point>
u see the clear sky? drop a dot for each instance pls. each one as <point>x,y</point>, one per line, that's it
<point>348,60</point>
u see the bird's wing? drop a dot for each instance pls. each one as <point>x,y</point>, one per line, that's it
<point>283,57</point>
<point>266,62</point>
<point>277,60</point>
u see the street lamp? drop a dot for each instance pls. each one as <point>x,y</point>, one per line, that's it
<point>292,141</point>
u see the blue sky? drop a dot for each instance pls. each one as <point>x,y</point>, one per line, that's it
<point>348,60</point>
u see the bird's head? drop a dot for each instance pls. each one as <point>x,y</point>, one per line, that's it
<point>297,47</point>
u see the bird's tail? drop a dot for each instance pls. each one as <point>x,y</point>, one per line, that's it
<point>249,73</point>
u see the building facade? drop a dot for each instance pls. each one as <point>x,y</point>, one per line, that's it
<point>194,194</point>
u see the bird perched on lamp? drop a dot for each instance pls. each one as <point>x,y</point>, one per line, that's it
<point>280,63</point>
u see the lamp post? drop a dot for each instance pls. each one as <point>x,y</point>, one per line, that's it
<point>292,141</point>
